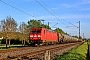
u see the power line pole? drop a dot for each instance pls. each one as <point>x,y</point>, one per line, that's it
<point>83,36</point>
<point>42,21</point>
<point>79,29</point>
<point>48,25</point>
<point>75,26</point>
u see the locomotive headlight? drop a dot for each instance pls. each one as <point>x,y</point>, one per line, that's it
<point>31,35</point>
<point>39,36</point>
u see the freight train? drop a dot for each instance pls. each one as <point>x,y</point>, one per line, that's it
<point>44,36</point>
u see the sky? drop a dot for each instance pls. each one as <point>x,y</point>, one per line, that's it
<point>59,13</point>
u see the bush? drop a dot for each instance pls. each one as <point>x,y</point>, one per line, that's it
<point>17,41</point>
<point>12,41</point>
<point>3,41</point>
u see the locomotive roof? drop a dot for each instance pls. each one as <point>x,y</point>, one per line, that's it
<point>43,28</point>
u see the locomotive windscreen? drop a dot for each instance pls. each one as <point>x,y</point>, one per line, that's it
<point>35,31</point>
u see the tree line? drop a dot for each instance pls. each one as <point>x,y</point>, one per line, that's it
<point>9,28</point>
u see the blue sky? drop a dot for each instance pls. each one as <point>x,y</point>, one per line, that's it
<point>64,11</point>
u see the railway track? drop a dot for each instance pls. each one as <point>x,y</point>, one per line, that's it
<point>40,53</point>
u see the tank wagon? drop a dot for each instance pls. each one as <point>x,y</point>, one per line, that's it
<point>45,36</point>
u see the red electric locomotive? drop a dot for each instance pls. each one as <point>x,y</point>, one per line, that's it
<point>42,36</point>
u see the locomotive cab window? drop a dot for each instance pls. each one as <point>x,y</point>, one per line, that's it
<point>35,31</point>
<point>38,31</point>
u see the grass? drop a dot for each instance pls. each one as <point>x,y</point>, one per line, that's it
<point>78,53</point>
<point>89,42</point>
<point>11,46</point>
<point>88,53</point>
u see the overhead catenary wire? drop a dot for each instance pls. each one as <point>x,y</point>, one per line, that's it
<point>16,4</point>
<point>55,12</point>
<point>20,6</point>
<point>47,6</point>
<point>26,12</point>
<point>24,7</point>
<point>63,19</point>
<point>73,25</point>
<point>50,12</point>
<point>17,8</point>
<point>30,14</point>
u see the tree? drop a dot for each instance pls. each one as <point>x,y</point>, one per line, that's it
<point>34,23</point>
<point>46,26</point>
<point>3,25</point>
<point>24,31</point>
<point>59,30</point>
<point>75,36</point>
<point>23,27</point>
<point>9,24</point>
<point>67,34</point>
<point>80,37</point>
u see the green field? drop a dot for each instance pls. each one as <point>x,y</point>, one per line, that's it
<point>11,46</point>
<point>78,53</point>
<point>88,42</point>
<point>88,53</point>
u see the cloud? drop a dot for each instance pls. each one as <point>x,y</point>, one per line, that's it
<point>68,16</point>
<point>77,4</point>
<point>45,17</point>
<point>85,2</point>
<point>71,16</point>
<point>67,5</point>
<point>85,24</point>
<point>86,9</point>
